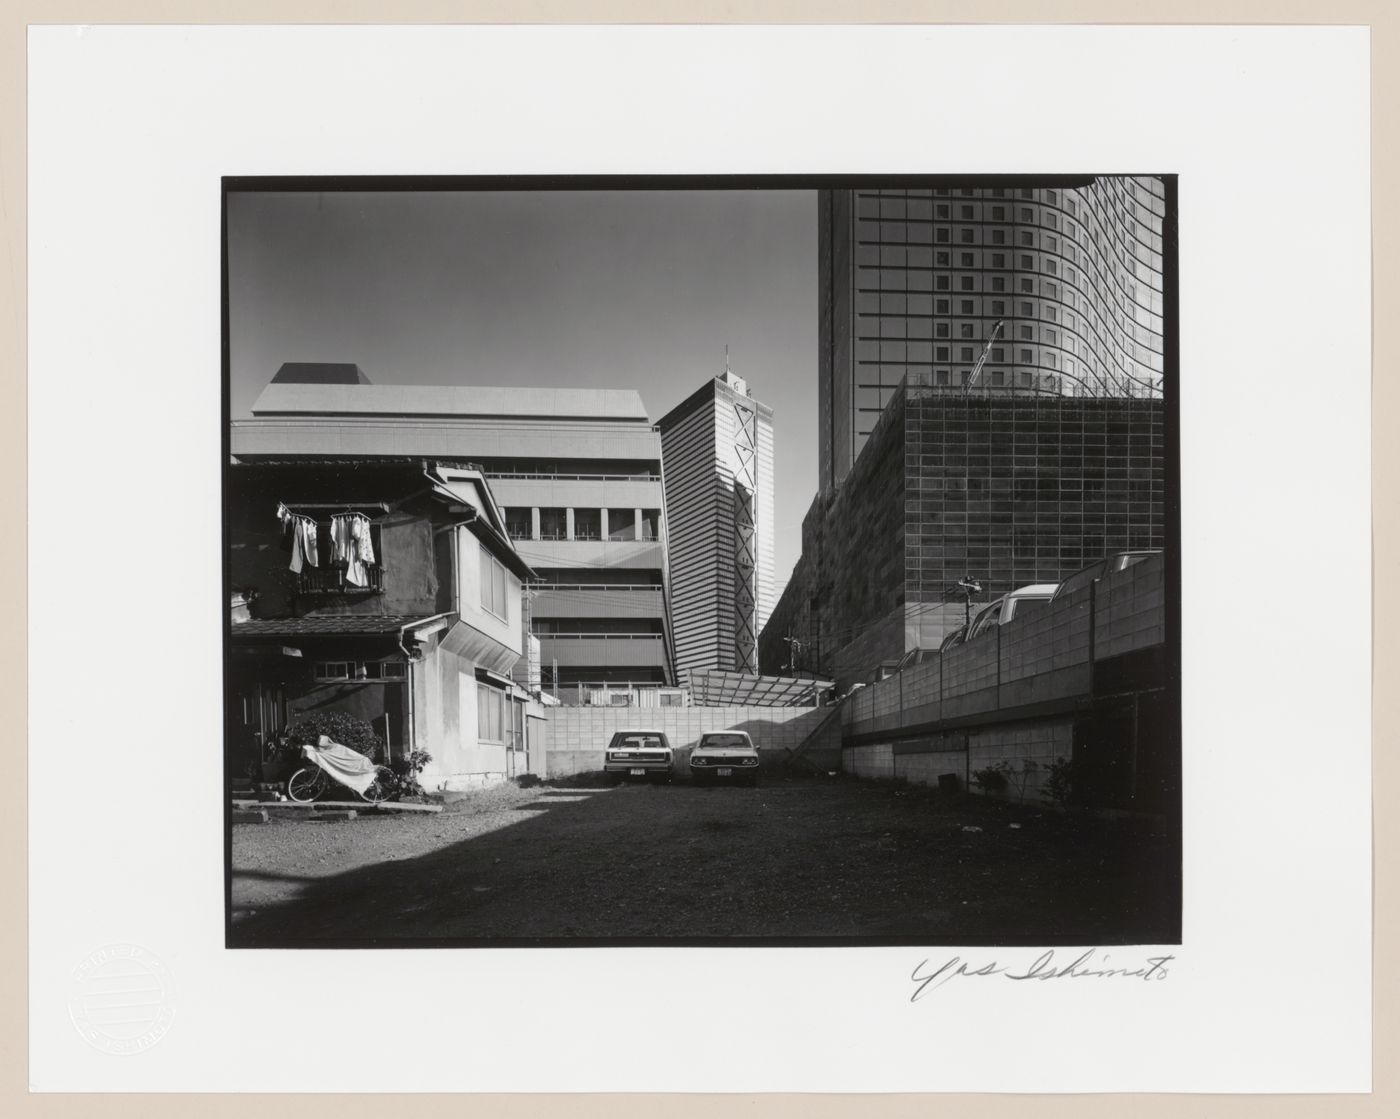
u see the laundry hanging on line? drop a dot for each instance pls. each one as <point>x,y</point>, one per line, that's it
<point>304,548</point>
<point>351,545</point>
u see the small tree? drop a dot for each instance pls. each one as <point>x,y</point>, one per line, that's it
<point>338,726</point>
<point>992,779</point>
<point>1059,782</point>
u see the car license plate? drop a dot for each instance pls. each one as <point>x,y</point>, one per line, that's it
<point>639,773</point>
<point>726,772</point>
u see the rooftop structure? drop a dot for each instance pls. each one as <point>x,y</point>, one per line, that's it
<point>319,373</point>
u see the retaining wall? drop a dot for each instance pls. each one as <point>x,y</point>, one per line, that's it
<point>1027,748</point>
<point>1045,656</point>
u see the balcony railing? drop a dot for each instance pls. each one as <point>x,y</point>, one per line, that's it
<point>331,580</point>
<point>649,588</point>
<point>513,475</point>
<point>598,636</point>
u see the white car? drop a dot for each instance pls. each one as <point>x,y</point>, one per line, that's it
<point>638,753</point>
<point>1017,603</point>
<point>728,756</point>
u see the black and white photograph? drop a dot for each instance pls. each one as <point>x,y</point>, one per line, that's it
<point>546,539</point>
<point>702,562</point>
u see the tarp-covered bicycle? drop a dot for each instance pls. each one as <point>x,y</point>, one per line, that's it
<point>329,762</point>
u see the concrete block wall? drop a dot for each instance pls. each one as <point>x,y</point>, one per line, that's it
<point>869,761</point>
<point>1130,611</point>
<point>1038,743</point>
<point>577,736</point>
<point>1041,656</point>
<point>1035,744</point>
<point>1046,639</point>
<point>922,682</point>
<point>924,768</point>
<point>971,667</point>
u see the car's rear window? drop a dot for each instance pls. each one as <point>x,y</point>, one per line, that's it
<point>638,742</point>
<point>713,740</point>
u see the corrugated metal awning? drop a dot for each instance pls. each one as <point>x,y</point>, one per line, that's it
<point>738,689</point>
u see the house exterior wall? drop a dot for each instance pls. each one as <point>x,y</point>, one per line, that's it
<point>413,574</point>
<point>470,564</point>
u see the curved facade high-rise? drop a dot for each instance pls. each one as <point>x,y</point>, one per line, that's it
<point>916,281</point>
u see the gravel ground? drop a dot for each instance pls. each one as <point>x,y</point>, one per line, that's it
<point>830,858</point>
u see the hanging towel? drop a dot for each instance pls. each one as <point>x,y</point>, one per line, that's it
<point>297,538</point>
<point>364,546</point>
<point>304,551</point>
<point>346,533</point>
<point>308,531</point>
<point>340,538</point>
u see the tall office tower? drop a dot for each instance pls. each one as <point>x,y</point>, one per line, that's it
<point>717,464</point>
<point>916,281</point>
<point>576,472</point>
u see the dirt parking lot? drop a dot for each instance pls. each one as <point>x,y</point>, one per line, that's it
<point>828,858</point>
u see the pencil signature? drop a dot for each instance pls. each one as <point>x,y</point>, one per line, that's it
<point>1085,966</point>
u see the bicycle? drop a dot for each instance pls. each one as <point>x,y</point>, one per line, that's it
<point>310,781</point>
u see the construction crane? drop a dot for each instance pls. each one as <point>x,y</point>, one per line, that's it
<point>982,359</point>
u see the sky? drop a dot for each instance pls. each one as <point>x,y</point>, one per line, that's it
<point>591,289</point>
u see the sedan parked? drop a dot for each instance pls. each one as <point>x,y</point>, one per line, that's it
<point>725,756</point>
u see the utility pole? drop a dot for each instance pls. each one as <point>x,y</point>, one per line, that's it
<point>969,586</point>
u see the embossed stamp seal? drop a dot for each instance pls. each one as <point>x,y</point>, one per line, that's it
<point>120,999</point>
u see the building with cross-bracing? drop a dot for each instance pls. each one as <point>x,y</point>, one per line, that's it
<point>717,474</point>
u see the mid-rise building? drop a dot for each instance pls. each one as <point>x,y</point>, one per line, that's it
<point>717,464</point>
<point>1010,490</point>
<point>915,282</point>
<point>576,473</point>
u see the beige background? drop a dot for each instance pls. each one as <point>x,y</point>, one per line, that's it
<point>14,16</point>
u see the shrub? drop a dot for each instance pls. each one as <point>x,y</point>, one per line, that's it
<point>528,780</point>
<point>338,726</point>
<point>999,777</point>
<point>1059,785</point>
<point>406,771</point>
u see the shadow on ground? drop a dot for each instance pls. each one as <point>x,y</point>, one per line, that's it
<point>792,862</point>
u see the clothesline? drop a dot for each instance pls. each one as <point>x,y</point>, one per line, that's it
<point>351,545</point>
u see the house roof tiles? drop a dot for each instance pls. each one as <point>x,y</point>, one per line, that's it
<point>313,625</point>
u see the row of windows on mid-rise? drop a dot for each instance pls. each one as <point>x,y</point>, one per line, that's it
<point>557,523</point>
